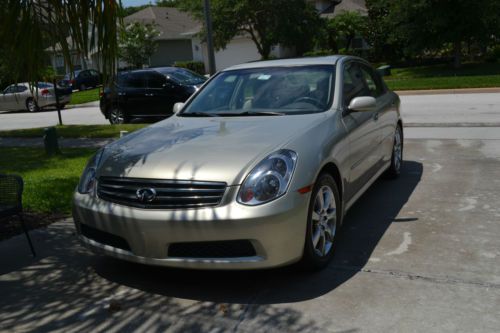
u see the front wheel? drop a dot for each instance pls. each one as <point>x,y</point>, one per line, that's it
<point>117,116</point>
<point>397,154</point>
<point>323,223</point>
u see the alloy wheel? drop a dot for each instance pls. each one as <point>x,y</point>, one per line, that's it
<point>116,116</point>
<point>324,221</point>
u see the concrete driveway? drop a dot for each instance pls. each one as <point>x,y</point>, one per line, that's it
<point>419,254</point>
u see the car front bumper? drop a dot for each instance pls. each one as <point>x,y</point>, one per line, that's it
<point>276,230</point>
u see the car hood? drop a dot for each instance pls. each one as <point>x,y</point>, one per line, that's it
<point>205,149</point>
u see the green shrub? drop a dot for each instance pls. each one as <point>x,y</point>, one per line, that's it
<point>195,66</point>
<point>493,54</point>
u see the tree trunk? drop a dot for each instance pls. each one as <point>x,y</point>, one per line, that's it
<point>457,50</point>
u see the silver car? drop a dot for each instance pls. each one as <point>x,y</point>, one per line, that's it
<point>22,96</point>
<point>256,170</point>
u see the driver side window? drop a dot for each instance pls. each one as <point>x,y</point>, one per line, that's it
<point>354,84</point>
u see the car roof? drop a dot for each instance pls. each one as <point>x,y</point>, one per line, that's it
<point>328,60</point>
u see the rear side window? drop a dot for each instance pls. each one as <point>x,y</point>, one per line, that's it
<point>20,89</point>
<point>132,80</point>
<point>156,80</point>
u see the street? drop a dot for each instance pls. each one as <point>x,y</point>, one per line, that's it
<point>480,109</point>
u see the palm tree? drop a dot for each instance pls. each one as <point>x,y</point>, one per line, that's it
<point>30,26</point>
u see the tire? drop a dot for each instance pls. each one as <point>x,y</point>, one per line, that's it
<point>62,106</point>
<point>31,105</point>
<point>323,224</point>
<point>394,169</point>
<point>82,87</point>
<point>116,116</point>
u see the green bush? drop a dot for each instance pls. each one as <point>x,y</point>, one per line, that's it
<point>195,66</point>
<point>493,54</point>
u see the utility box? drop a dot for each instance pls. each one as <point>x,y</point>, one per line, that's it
<point>50,141</point>
<point>384,70</point>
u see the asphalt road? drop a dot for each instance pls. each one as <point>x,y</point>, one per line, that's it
<point>481,109</point>
<point>418,254</point>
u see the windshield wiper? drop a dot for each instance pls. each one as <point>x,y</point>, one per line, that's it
<point>250,113</point>
<point>198,114</point>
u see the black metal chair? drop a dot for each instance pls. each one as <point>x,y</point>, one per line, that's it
<point>11,201</point>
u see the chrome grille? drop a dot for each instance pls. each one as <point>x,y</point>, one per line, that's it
<point>169,194</point>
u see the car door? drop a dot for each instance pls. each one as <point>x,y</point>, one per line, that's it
<point>158,95</point>
<point>132,96</point>
<point>387,111</point>
<point>95,76</point>
<point>21,94</point>
<point>364,134</point>
<point>8,98</point>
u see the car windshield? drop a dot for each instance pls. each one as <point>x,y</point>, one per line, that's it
<point>269,90</point>
<point>185,77</point>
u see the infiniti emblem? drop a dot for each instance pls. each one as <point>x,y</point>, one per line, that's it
<point>146,194</point>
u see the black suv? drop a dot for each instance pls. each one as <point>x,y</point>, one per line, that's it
<point>148,93</point>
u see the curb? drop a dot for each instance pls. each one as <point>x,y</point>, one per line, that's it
<point>84,105</point>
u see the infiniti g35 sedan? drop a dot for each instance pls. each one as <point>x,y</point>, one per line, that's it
<point>255,170</point>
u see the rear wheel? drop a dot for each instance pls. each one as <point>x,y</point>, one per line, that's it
<point>397,154</point>
<point>117,116</point>
<point>83,87</point>
<point>322,224</point>
<point>31,105</point>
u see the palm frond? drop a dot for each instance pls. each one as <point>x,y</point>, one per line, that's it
<point>29,27</point>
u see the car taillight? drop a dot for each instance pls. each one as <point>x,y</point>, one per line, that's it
<point>45,92</point>
<point>101,93</point>
<point>72,82</point>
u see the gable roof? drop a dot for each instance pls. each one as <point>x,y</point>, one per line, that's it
<point>170,22</point>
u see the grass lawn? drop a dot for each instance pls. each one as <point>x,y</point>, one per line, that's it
<point>451,82</point>
<point>76,131</point>
<point>80,97</point>
<point>48,181</point>
<point>470,75</point>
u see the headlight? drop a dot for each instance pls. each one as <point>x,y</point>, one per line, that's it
<point>269,179</point>
<point>88,180</point>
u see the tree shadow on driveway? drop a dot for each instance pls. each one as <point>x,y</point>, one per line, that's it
<point>364,226</point>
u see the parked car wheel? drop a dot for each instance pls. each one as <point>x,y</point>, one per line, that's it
<point>322,224</point>
<point>83,87</point>
<point>31,105</point>
<point>397,155</point>
<point>117,116</point>
<point>62,106</point>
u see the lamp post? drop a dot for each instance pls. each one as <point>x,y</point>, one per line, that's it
<point>210,43</point>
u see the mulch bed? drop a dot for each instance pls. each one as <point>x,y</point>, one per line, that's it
<point>11,226</point>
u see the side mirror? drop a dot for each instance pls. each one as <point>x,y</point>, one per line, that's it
<point>363,104</point>
<point>178,107</point>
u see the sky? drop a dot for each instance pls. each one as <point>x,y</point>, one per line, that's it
<point>128,3</point>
